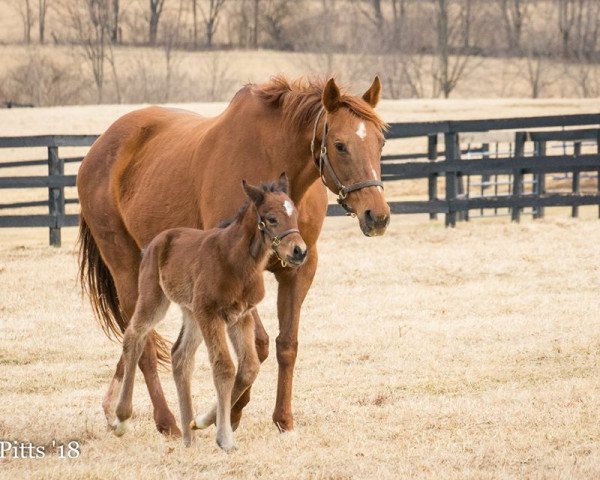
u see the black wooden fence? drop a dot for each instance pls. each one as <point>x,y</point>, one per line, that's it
<point>435,166</point>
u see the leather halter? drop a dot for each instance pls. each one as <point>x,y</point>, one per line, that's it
<point>275,239</point>
<point>323,160</point>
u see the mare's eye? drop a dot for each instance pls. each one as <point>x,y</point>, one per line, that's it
<point>272,220</point>
<point>340,147</point>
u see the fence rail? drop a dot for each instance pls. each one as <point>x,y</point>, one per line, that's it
<point>434,165</point>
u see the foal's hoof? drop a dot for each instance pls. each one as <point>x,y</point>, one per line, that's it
<point>227,447</point>
<point>201,422</point>
<point>120,428</point>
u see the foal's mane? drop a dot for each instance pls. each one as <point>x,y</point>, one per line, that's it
<point>300,101</point>
<point>265,187</point>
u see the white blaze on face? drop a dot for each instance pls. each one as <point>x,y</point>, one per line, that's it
<point>361,131</point>
<point>375,177</point>
<point>288,208</point>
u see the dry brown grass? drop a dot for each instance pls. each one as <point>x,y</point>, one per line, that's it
<point>432,353</point>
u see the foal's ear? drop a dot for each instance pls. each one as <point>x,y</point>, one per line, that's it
<point>283,183</point>
<point>331,96</point>
<point>372,95</point>
<point>254,193</point>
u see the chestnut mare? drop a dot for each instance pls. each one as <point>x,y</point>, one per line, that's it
<point>160,168</point>
<point>216,277</point>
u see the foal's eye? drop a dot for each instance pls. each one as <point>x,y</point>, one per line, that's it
<point>340,147</point>
<point>272,220</point>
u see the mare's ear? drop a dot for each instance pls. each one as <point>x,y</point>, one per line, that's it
<point>331,96</point>
<point>283,183</point>
<point>254,193</point>
<point>372,95</point>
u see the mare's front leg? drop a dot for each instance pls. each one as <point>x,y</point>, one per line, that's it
<point>293,287</point>
<point>149,311</point>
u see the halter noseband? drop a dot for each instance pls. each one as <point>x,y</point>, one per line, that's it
<point>275,239</point>
<point>343,191</point>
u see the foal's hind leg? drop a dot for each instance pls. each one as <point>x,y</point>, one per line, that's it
<point>183,355</point>
<point>242,339</point>
<point>151,309</point>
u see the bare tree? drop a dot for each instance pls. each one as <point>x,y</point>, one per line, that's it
<point>156,9</point>
<point>90,20</point>
<point>566,21</point>
<point>195,23</point>
<point>275,16</point>
<point>514,14</point>
<point>26,13</point>
<point>211,19</point>
<point>452,57</point>
<point>398,19</point>
<point>42,10</point>
<point>255,23</point>
<point>115,28</point>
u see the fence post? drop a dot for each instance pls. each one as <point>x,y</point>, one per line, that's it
<point>432,146</point>
<point>576,184</point>
<point>539,148</point>
<point>450,147</point>
<point>518,175</point>
<point>56,196</point>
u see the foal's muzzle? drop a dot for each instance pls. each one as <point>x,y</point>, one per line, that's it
<point>298,255</point>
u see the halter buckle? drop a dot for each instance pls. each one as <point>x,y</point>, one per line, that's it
<point>342,194</point>
<point>275,242</point>
<point>262,226</point>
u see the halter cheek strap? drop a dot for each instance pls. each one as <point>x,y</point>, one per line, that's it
<point>275,239</point>
<point>323,161</point>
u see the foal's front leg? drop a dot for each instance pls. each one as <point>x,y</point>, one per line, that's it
<point>183,356</point>
<point>223,369</point>
<point>242,338</point>
<point>148,312</point>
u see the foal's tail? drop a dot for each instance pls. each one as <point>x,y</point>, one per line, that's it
<point>97,282</point>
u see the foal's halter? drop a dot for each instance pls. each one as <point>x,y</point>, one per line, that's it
<point>323,160</point>
<point>275,239</point>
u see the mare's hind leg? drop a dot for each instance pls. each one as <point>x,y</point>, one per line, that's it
<point>183,356</point>
<point>242,338</point>
<point>150,309</point>
<point>122,257</point>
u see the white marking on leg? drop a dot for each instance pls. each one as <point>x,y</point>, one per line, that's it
<point>361,131</point>
<point>289,208</point>
<point>120,428</point>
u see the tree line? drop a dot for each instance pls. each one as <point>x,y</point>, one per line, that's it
<point>422,47</point>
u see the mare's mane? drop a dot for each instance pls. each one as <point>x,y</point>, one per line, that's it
<point>300,101</point>
<point>265,187</point>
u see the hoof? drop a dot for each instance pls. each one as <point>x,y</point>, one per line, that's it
<point>201,422</point>
<point>120,428</point>
<point>227,447</point>
<point>169,430</point>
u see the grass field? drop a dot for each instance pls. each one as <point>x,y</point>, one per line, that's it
<point>431,353</point>
<point>426,353</point>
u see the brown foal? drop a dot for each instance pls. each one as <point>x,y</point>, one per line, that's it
<point>216,277</point>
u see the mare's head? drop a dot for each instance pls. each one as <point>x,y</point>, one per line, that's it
<point>278,219</point>
<point>353,141</point>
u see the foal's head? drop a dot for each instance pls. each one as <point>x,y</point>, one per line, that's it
<point>277,219</point>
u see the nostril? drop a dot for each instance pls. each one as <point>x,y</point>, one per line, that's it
<point>369,217</point>
<point>298,252</point>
